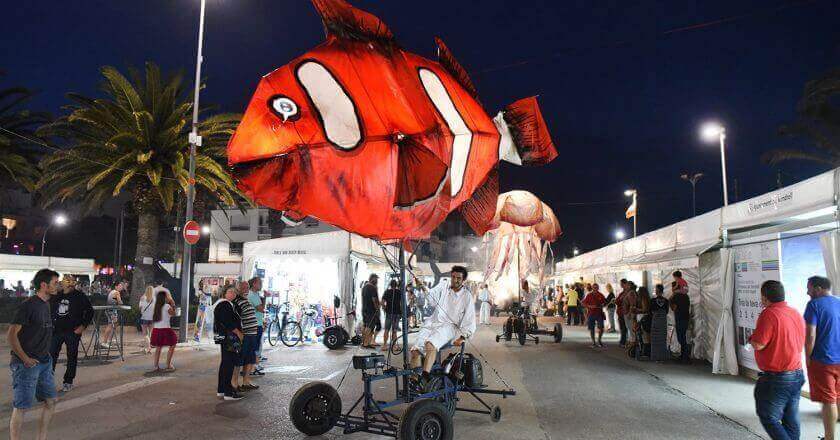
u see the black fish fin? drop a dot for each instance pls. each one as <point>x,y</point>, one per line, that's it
<point>531,139</point>
<point>480,209</point>
<point>448,62</point>
<point>343,20</point>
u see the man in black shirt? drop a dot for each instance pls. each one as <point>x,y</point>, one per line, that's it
<point>681,305</point>
<point>370,312</point>
<point>392,305</point>
<point>29,336</point>
<point>71,314</point>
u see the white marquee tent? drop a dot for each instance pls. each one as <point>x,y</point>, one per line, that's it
<point>702,248</point>
<point>14,268</point>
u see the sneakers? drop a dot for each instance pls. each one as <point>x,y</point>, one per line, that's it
<point>248,387</point>
<point>234,396</point>
<point>66,387</point>
<point>220,394</point>
<point>601,344</point>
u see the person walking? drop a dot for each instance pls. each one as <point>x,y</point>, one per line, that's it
<point>619,310</point>
<point>71,315</point>
<point>29,336</point>
<point>594,304</point>
<point>484,310</point>
<point>778,340</point>
<point>611,307</point>
<point>248,356</point>
<point>572,299</point>
<point>370,312</point>
<point>392,306</point>
<point>162,333</point>
<point>258,302</point>
<point>822,349</point>
<point>147,312</point>
<point>227,326</point>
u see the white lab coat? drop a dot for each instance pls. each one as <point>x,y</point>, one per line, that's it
<point>484,312</point>
<point>454,316</point>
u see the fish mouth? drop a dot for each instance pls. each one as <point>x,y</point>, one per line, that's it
<point>270,182</point>
<point>421,175</point>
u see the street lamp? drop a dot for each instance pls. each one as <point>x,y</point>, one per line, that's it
<point>58,220</point>
<point>692,179</point>
<point>619,234</point>
<point>711,132</point>
<point>205,230</point>
<point>633,193</point>
<point>575,251</point>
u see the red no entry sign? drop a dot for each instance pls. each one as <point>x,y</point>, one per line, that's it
<point>192,232</point>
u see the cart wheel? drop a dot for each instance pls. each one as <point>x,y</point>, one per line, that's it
<point>425,419</point>
<point>521,336</point>
<point>333,338</point>
<point>438,383</point>
<point>536,340</point>
<point>315,408</point>
<point>496,414</point>
<point>497,338</point>
<point>558,333</point>
<point>508,329</point>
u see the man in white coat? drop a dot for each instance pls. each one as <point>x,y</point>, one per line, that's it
<point>452,321</point>
<point>484,312</point>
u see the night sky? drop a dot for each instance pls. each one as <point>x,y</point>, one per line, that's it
<point>622,98</point>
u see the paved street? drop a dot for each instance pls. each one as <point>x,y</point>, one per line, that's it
<point>564,391</point>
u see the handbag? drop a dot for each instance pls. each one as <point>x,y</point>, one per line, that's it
<point>137,322</point>
<point>228,340</point>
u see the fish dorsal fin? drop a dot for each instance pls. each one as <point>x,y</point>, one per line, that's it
<point>342,20</point>
<point>448,61</point>
<point>480,209</point>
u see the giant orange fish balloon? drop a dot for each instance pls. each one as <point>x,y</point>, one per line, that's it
<point>378,141</point>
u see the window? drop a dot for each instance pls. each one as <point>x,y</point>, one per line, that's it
<point>235,248</point>
<point>240,222</point>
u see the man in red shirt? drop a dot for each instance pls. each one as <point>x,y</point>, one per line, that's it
<point>594,303</point>
<point>778,341</point>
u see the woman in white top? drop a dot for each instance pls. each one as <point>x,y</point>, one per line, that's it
<point>162,333</point>
<point>147,311</point>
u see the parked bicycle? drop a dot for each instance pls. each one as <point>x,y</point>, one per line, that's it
<point>283,328</point>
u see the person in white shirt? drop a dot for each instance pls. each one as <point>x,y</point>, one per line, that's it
<point>452,321</point>
<point>484,312</point>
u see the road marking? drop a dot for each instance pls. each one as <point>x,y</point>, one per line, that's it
<point>332,375</point>
<point>66,405</point>
<point>285,369</point>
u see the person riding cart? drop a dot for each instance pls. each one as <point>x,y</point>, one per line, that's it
<point>453,320</point>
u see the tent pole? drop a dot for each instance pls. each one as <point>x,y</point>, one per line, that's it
<point>404,314</point>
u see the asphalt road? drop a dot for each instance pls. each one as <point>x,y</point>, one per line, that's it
<point>564,391</point>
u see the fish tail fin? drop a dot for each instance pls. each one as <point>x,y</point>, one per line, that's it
<point>525,137</point>
<point>480,209</point>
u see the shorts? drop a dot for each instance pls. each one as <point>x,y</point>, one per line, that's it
<point>438,335</point>
<point>248,355</point>
<point>372,322</point>
<point>31,384</point>
<point>824,381</point>
<point>392,322</point>
<point>112,316</point>
<point>593,320</point>
<point>163,337</point>
<point>146,322</point>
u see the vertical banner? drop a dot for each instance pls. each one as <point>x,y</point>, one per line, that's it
<point>754,264</point>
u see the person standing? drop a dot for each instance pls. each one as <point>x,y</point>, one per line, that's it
<point>147,312</point>
<point>392,306</point>
<point>227,327</point>
<point>642,315</point>
<point>484,310</point>
<point>629,315</point>
<point>659,307</point>
<point>778,340</point>
<point>572,307</point>
<point>29,337</point>
<point>681,305</point>
<point>248,358</point>
<point>370,312</point>
<point>71,315</point>
<point>258,302</point>
<point>114,299</point>
<point>611,307</point>
<point>594,304</point>
<point>162,333</point>
<point>619,310</point>
<point>822,347</point>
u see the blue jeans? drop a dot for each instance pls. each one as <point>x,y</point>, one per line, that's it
<point>777,403</point>
<point>33,383</point>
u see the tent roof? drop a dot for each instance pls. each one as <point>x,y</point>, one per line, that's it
<point>58,264</point>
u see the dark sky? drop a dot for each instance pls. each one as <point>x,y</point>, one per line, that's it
<point>623,101</point>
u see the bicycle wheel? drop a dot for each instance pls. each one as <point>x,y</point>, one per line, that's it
<point>273,333</point>
<point>291,334</point>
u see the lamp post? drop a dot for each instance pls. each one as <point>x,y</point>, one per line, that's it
<point>633,193</point>
<point>195,141</point>
<point>58,220</point>
<point>711,132</point>
<point>692,179</point>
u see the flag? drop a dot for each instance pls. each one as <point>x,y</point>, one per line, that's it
<point>631,211</point>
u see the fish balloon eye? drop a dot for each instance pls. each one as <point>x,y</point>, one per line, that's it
<point>284,107</point>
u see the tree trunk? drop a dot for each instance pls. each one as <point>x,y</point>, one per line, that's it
<point>147,240</point>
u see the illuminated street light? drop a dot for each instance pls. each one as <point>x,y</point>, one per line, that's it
<point>715,132</point>
<point>205,229</point>
<point>58,220</point>
<point>575,251</point>
<point>619,234</point>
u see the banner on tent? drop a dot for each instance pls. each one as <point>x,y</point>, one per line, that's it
<point>754,264</point>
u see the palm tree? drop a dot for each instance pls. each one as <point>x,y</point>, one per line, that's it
<point>134,140</point>
<point>18,162</point>
<point>818,120</point>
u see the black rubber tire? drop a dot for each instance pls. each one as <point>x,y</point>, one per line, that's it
<point>558,333</point>
<point>521,336</point>
<point>497,338</point>
<point>315,408</point>
<point>425,419</point>
<point>435,383</point>
<point>495,414</point>
<point>536,341</point>
<point>508,329</point>
<point>289,332</point>
<point>333,338</point>
<point>273,333</point>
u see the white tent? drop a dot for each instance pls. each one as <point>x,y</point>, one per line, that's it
<point>15,268</point>
<point>701,248</point>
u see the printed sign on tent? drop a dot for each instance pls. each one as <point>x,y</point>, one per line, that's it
<point>754,264</point>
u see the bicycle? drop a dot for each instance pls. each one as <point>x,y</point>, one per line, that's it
<point>285,329</point>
